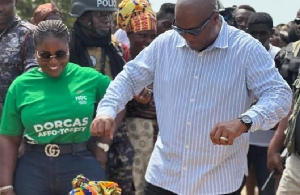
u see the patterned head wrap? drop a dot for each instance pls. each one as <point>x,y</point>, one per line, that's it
<point>136,15</point>
<point>43,11</point>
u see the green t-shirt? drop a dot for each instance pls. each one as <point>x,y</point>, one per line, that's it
<point>53,110</point>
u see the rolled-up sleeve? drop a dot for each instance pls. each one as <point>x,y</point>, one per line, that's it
<point>272,91</point>
<point>136,75</point>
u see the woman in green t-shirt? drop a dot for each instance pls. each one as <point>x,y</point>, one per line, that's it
<point>51,107</point>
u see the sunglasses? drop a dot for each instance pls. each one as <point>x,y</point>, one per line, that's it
<point>297,21</point>
<point>192,31</point>
<point>46,55</point>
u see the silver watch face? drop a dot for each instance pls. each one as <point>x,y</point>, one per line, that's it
<point>246,119</point>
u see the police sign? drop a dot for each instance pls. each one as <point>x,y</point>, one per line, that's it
<point>106,3</point>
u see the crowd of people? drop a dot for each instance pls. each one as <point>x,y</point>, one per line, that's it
<point>181,102</point>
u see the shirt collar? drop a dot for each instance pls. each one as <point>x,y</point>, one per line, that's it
<point>181,42</point>
<point>220,42</point>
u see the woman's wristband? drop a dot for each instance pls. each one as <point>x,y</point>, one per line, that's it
<point>6,188</point>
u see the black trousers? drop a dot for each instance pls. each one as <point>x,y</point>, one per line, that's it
<point>154,190</point>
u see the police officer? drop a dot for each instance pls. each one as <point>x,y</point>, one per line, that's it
<point>16,46</point>
<point>93,45</point>
<point>288,131</point>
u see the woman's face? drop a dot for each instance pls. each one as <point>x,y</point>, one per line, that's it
<point>52,55</point>
<point>275,38</point>
<point>141,39</point>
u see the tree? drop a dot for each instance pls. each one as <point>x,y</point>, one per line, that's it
<point>25,9</point>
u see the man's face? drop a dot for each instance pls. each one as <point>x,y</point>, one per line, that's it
<point>102,21</point>
<point>261,32</point>
<point>96,21</point>
<point>205,19</point>
<point>241,18</point>
<point>7,12</point>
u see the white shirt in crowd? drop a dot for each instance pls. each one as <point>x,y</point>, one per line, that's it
<point>121,36</point>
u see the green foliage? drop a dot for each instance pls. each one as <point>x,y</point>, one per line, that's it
<point>25,9</point>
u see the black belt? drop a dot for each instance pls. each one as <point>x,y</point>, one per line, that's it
<point>54,150</point>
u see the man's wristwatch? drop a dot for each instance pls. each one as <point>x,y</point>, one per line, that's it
<point>246,120</point>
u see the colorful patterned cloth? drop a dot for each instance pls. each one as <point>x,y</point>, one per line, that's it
<point>136,15</point>
<point>120,161</point>
<point>83,186</point>
<point>141,133</point>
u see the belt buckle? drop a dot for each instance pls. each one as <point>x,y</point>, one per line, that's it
<point>52,150</point>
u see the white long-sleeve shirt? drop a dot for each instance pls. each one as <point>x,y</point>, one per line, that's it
<point>194,91</point>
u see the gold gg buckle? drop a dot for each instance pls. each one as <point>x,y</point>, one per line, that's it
<point>52,150</point>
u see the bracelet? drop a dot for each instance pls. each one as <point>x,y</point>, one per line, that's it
<point>6,188</point>
<point>105,147</point>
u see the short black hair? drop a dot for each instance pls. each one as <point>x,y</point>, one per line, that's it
<point>53,28</point>
<point>260,18</point>
<point>247,7</point>
<point>166,8</point>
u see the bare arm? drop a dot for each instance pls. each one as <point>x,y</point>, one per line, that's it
<point>9,152</point>
<point>276,144</point>
<point>278,139</point>
<point>119,118</point>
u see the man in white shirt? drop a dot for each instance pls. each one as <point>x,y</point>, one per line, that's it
<point>203,89</point>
